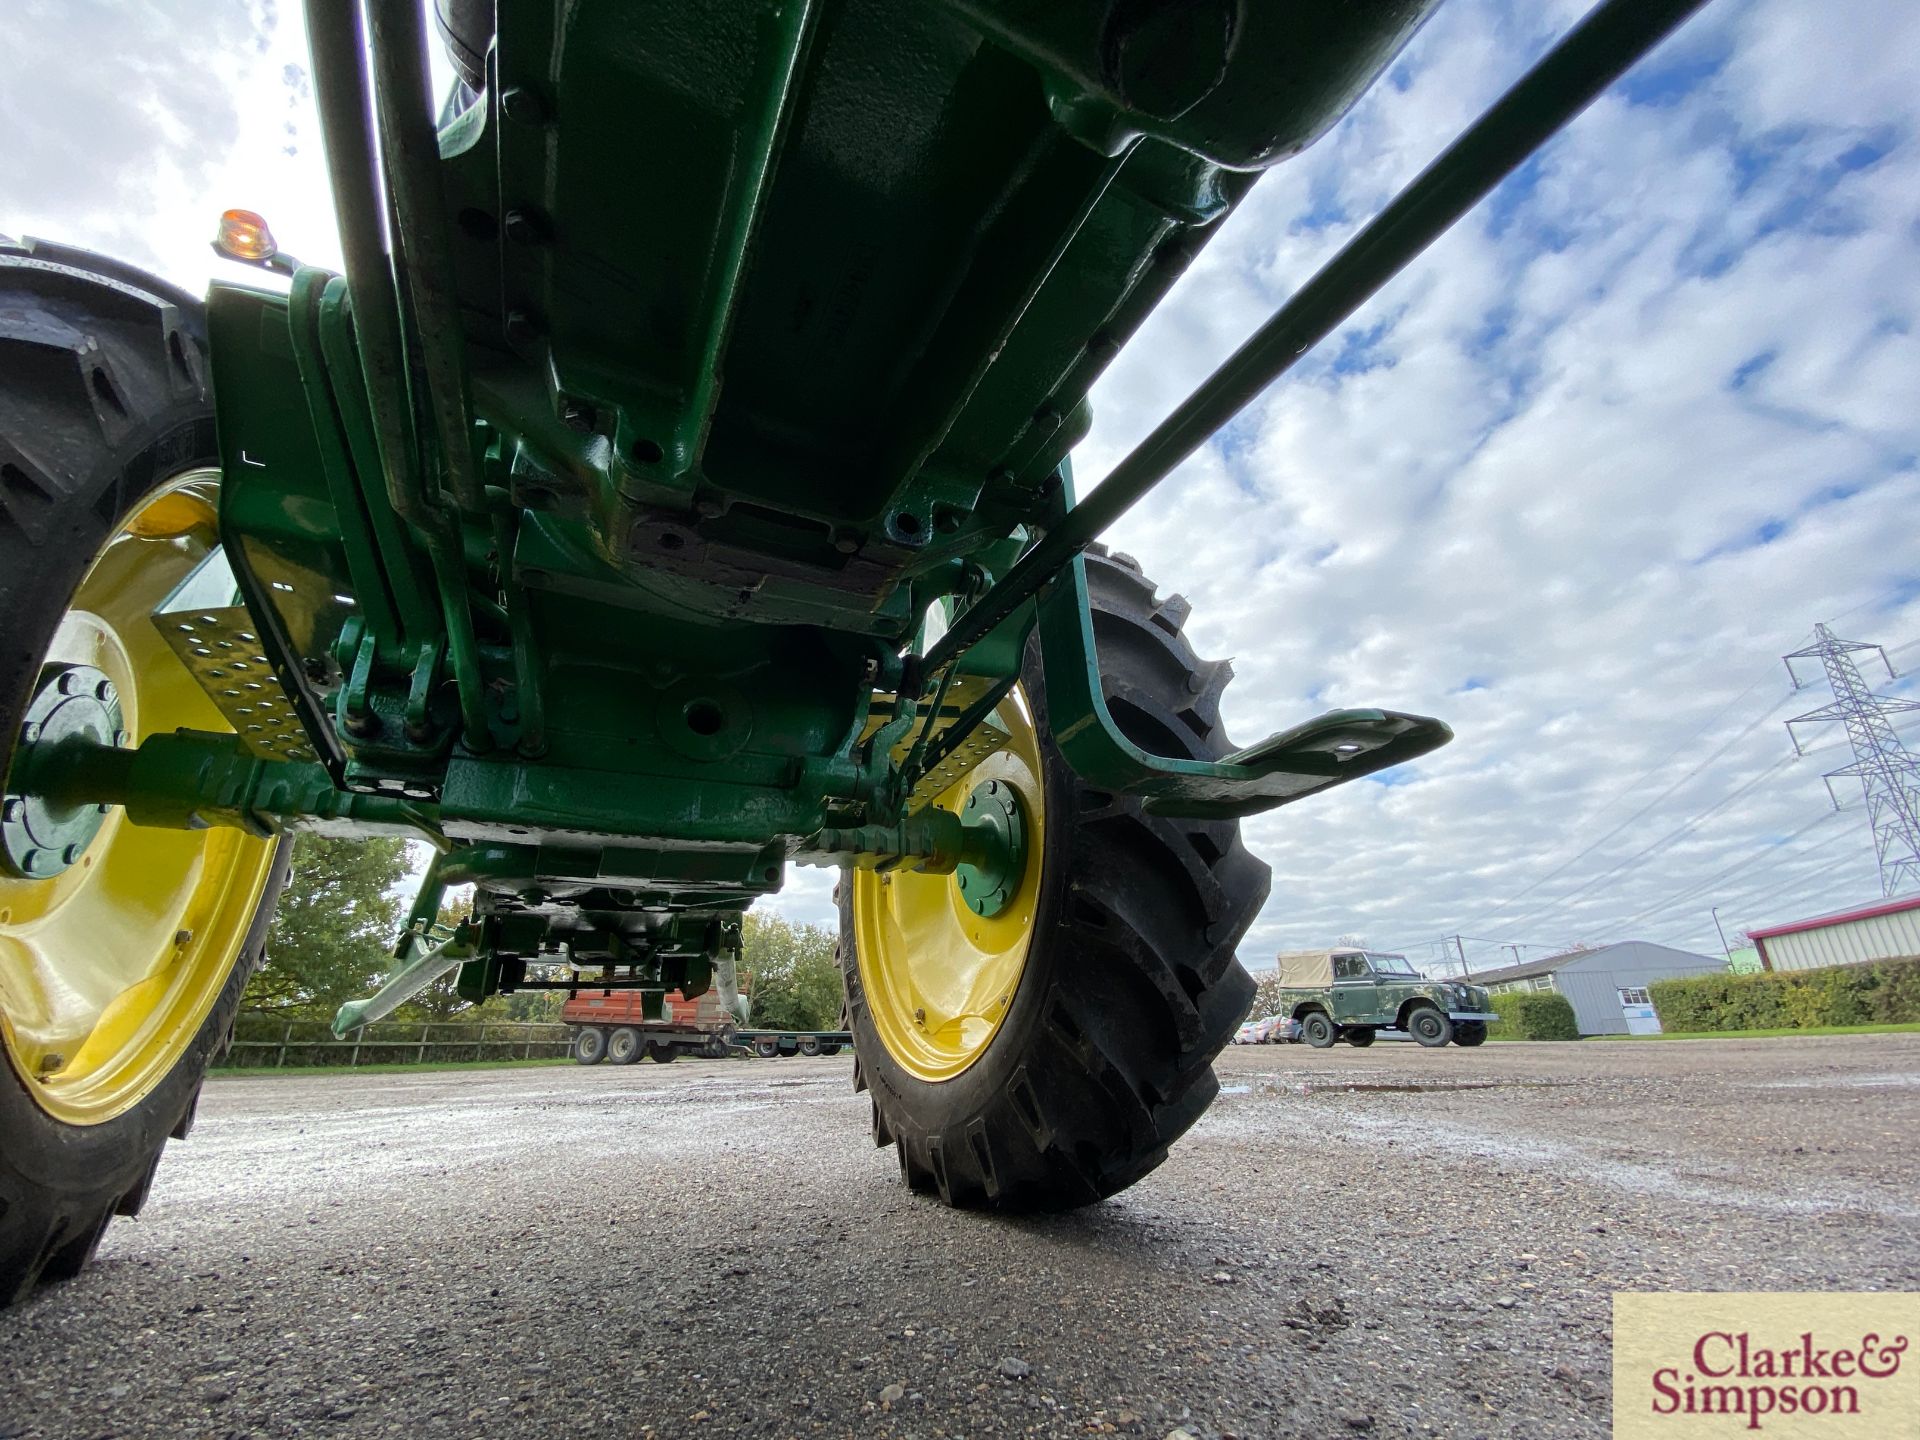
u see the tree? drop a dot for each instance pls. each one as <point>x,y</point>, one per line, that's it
<point>331,936</point>
<point>796,980</point>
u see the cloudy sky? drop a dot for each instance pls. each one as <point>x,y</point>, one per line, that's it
<point>1574,482</point>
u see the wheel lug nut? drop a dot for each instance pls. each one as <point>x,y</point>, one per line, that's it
<point>13,809</point>
<point>103,692</point>
<point>29,734</point>
<point>70,854</point>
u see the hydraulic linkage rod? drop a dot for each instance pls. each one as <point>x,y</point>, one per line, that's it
<point>1595,53</point>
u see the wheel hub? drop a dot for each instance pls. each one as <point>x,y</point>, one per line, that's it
<point>996,848</point>
<point>40,836</point>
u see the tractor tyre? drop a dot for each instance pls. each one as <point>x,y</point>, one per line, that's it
<point>108,480</point>
<point>1358,1036</point>
<point>589,1046</point>
<point>1317,1030</point>
<point>1430,1027</point>
<point>1470,1033</point>
<point>1040,1046</point>
<point>624,1047</point>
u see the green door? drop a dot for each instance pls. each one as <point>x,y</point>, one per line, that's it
<point>1355,997</point>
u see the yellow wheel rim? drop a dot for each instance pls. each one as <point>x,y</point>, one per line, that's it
<point>108,969</point>
<point>939,979</point>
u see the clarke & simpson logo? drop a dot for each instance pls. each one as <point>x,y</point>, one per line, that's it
<point>1834,1366</point>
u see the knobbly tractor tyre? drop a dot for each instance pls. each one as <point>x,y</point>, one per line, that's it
<point>1317,1030</point>
<point>124,951</point>
<point>1470,1033</point>
<point>589,1046</point>
<point>1430,1027</point>
<point>623,1046</point>
<point>1044,1055</point>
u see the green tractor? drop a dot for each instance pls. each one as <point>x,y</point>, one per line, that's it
<point>675,487</point>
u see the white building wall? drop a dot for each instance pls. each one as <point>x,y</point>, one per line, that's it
<point>1850,942</point>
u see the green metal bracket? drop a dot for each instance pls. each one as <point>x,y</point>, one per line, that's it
<point>409,980</point>
<point>1339,746</point>
<point>193,779</point>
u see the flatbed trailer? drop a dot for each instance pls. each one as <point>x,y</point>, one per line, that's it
<point>769,1044</point>
<point>613,1025</point>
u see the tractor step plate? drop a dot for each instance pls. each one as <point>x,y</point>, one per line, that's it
<point>987,739</point>
<point>219,646</point>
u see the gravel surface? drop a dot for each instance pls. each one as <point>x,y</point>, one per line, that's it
<point>1389,1242</point>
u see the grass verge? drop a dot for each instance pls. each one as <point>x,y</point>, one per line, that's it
<point>250,1070</point>
<point>1768,1034</point>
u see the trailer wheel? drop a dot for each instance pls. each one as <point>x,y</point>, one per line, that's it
<point>589,1046</point>
<point>665,1054</point>
<point>766,1048</point>
<point>830,1048</point>
<point>124,950</point>
<point>623,1046</point>
<point>809,1047</point>
<point>1040,1048</point>
<point>1359,1036</point>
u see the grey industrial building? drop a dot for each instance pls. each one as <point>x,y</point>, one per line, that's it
<point>1607,985</point>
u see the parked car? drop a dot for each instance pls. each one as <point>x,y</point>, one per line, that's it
<point>1350,994</point>
<point>1244,1035</point>
<point>1267,1031</point>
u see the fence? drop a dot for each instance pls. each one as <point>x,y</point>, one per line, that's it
<point>288,1044</point>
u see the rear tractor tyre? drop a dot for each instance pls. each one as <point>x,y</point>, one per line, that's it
<point>1317,1030</point>
<point>124,951</point>
<point>1359,1036</point>
<point>1037,1042</point>
<point>589,1046</point>
<point>1430,1027</point>
<point>624,1047</point>
<point>1470,1033</point>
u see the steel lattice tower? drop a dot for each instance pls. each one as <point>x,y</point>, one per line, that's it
<point>1888,775</point>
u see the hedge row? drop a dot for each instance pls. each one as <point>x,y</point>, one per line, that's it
<point>1882,992</point>
<point>1532,1015</point>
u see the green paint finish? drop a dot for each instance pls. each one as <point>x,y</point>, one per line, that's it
<point>1339,746</point>
<point>996,848</point>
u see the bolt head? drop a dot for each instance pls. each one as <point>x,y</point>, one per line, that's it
<point>578,416</point>
<point>13,809</point>
<point>103,692</point>
<point>31,860</point>
<point>29,734</point>
<point>70,854</point>
<point>121,737</point>
<point>526,226</point>
<point>523,106</point>
<point>520,328</point>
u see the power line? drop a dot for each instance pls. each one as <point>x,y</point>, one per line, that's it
<point>1641,856</point>
<point>1657,801</point>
